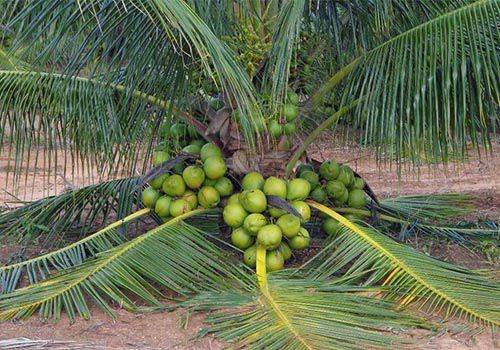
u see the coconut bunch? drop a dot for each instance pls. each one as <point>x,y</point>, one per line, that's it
<point>187,186</point>
<point>285,123</point>
<point>254,221</point>
<point>269,212</point>
<point>336,185</point>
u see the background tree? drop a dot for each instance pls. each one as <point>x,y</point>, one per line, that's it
<point>106,81</point>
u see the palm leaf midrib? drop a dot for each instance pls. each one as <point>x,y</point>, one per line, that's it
<point>270,300</point>
<point>400,265</point>
<point>78,243</point>
<point>113,254</point>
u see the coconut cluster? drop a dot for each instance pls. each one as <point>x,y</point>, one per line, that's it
<point>188,186</point>
<point>255,222</point>
<point>335,185</point>
<point>285,123</point>
<point>249,214</point>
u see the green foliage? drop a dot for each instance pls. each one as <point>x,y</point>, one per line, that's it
<point>40,268</point>
<point>80,209</point>
<point>297,307</point>
<point>98,79</point>
<point>432,87</point>
<point>423,76</point>
<point>286,33</point>
<point>175,256</point>
<point>304,314</point>
<point>428,207</point>
<point>408,275</point>
<point>433,215</point>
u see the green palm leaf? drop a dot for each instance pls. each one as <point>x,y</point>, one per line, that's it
<point>410,276</point>
<point>429,207</point>
<point>79,208</point>
<point>42,267</point>
<point>431,215</point>
<point>304,314</point>
<point>41,113</point>
<point>175,256</point>
<point>137,36</point>
<point>430,89</point>
<point>6,62</point>
<point>286,26</point>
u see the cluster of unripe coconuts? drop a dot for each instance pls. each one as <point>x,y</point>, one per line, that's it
<point>248,212</point>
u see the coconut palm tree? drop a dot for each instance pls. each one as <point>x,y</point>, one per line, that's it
<point>112,82</point>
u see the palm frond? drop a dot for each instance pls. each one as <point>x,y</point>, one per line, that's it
<point>175,256</point>
<point>304,314</point>
<point>452,233</point>
<point>42,114</point>
<point>42,267</point>
<point>77,208</point>
<point>179,15</point>
<point>410,276</point>
<point>6,62</point>
<point>433,89</point>
<point>431,215</point>
<point>409,226</point>
<point>286,29</point>
<point>137,36</point>
<point>440,206</point>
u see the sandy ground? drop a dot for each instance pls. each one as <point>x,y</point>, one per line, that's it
<point>175,330</point>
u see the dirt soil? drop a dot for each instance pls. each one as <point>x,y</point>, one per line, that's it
<point>176,330</point>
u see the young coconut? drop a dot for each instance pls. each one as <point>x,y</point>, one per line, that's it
<point>269,236</point>
<point>331,227</point>
<point>303,209</point>
<point>162,206</point>
<point>191,149</point>
<point>254,201</point>
<point>252,181</point>
<point>298,189</point>
<point>274,186</point>
<point>209,150</point>
<point>274,261</point>
<point>335,189</point>
<point>215,167</point>
<point>191,198</point>
<point>179,207</point>
<point>359,183</point>
<point>289,225</point>
<point>275,212</point>
<point>160,157</point>
<point>157,182</point>
<point>208,197</point>
<point>311,177</point>
<point>250,256</point>
<point>357,198</point>
<point>285,251</point>
<point>234,215</point>
<point>233,199</point>
<point>319,195</point>
<point>300,241</point>
<point>193,176</point>
<point>224,186</point>
<point>254,222</point>
<point>174,186</point>
<point>149,197</point>
<point>302,168</point>
<point>329,170</point>
<point>241,239</point>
